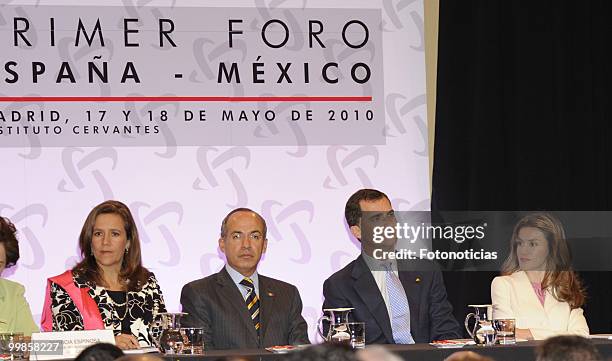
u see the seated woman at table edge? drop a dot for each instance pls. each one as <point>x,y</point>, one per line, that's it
<point>15,314</point>
<point>109,288</point>
<point>538,287</point>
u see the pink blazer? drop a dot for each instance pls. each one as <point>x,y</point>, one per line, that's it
<point>92,320</point>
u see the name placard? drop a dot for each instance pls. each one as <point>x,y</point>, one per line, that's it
<point>66,345</point>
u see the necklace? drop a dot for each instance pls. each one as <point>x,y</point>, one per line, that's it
<point>117,305</point>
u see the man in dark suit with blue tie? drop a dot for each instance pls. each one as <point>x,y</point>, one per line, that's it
<point>237,307</point>
<point>399,302</point>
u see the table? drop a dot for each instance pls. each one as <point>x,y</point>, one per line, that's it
<point>523,351</point>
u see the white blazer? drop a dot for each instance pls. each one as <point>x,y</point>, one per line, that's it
<point>513,297</point>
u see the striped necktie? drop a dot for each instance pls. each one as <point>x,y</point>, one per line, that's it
<point>252,302</point>
<point>400,310</point>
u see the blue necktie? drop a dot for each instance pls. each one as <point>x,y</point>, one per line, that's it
<point>400,310</point>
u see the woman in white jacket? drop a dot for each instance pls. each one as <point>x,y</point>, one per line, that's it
<point>538,287</point>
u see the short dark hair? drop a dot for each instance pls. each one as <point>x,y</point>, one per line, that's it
<point>467,356</point>
<point>567,348</point>
<point>227,217</point>
<point>352,210</point>
<point>323,352</point>
<point>9,239</point>
<point>100,352</point>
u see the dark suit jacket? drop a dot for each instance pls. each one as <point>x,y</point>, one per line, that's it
<point>216,304</point>
<point>431,315</point>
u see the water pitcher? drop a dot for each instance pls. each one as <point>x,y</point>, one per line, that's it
<point>338,319</point>
<point>482,332</point>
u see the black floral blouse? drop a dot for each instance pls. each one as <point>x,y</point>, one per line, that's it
<point>141,305</point>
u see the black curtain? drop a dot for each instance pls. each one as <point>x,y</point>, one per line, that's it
<point>523,120</point>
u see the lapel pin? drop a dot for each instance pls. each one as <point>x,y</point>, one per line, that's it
<point>270,294</point>
<point>417,280</point>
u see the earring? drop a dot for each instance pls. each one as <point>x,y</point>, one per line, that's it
<point>126,251</point>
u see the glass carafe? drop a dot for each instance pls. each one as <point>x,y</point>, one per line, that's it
<point>337,318</point>
<point>482,332</point>
<point>170,340</point>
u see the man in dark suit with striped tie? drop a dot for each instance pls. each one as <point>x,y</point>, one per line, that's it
<point>237,307</point>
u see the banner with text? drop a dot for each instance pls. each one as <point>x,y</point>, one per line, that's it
<point>185,110</point>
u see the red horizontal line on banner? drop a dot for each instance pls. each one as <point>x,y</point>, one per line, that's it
<point>190,99</point>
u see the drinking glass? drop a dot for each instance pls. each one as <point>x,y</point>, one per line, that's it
<point>12,346</point>
<point>193,338</point>
<point>356,331</point>
<point>506,332</point>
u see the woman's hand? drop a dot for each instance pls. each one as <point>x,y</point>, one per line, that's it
<point>524,333</point>
<point>126,342</point>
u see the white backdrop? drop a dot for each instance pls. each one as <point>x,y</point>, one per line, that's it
<point>180,197</point>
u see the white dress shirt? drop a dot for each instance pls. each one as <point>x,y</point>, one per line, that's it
<point>377,267</point>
